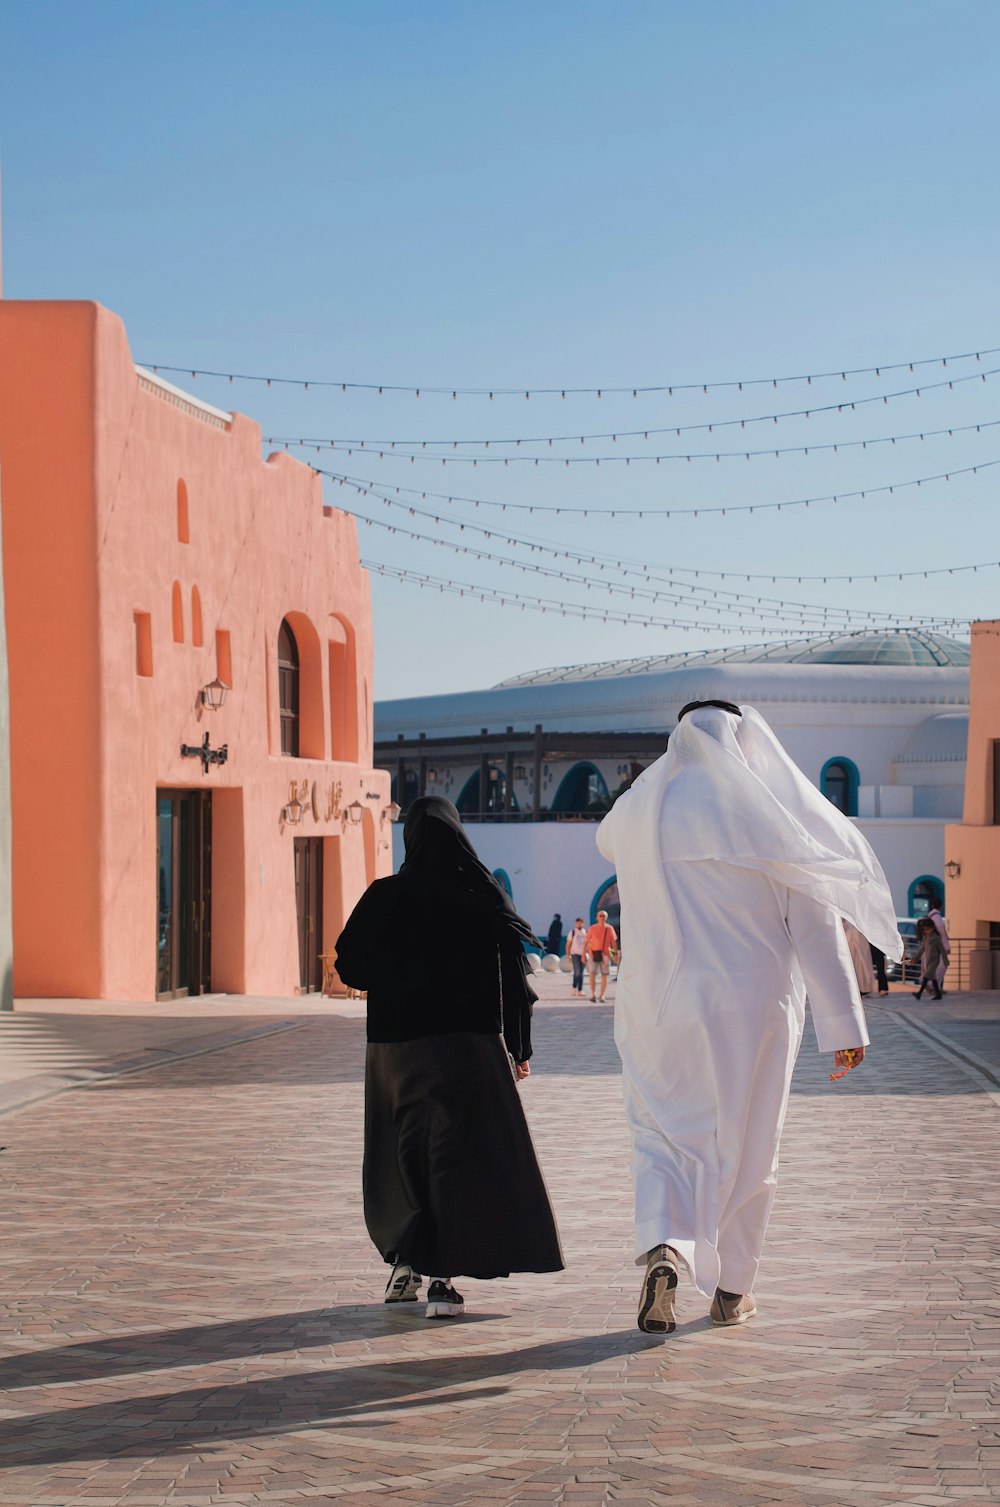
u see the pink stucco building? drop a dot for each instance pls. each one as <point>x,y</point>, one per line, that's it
<point>973,846</point>
<point>150,557</point>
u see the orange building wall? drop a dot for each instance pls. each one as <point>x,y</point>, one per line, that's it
<point>93,455</point>
<point>974,894</point>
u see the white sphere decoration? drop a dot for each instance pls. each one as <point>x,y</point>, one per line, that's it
<point>550,962</point>
<point>534,962</point>
<point>565,965</point>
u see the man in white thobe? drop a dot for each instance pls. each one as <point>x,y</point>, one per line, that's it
<point>734,873</point>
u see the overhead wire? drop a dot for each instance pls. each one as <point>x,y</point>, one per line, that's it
<point>643,570</point>
<point>364,483</point>
<point>637,389</point>
<point>543,604</point>
<point>743,605</point>
<point>348,446</point>
<point>412,455</point>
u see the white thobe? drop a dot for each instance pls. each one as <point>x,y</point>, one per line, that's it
<point>708,1060</point>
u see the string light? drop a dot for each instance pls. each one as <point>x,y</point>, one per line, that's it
<point>366,485</point>
<point>536,603</point>
<point>629,389</point>
<point>621,565</point>
<point>396,452</point>
<point>743,606</point>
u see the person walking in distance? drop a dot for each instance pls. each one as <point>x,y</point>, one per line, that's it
<point>451,1183</point>
<point>734,873</point>
<point>602,940</point>
<point>576,947</point>
<point>553,942</point>
<point>934,914</point>
<point>931,953</point>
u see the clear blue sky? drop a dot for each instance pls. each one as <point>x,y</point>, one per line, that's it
<point>545,194</point>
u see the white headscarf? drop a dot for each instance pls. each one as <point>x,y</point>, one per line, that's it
<point>726,789</point>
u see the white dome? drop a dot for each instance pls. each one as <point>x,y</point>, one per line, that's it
<point>938,740</point>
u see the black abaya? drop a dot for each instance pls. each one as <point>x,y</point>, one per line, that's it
<point>451,1184</point>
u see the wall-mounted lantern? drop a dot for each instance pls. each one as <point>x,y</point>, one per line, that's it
<point>952,868</point>
<point>354,811</point>
<point>432,775</point>
<point>214,694</point>
<point>295,808</point>
<point>392,812</point>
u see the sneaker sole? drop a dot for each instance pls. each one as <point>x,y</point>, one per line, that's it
<point>409,1297</point>
<point>728,1323</point>
<point>659,1293</point>
<point>445,1310</point>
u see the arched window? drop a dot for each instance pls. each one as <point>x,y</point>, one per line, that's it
<point>288,689</point>
<point>923,893</point>
<point>183,516</point>
<point>177,612</point>
<point>582,789</point>
<point>839,783</point>
<point>503,879</point>
<point>470,803</point>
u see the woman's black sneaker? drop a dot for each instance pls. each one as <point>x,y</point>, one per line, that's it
<point>443,1302</point>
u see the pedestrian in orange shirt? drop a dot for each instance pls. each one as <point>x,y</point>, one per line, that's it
<point>602,946</point>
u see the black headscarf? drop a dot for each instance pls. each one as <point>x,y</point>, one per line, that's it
<point>442,861</point>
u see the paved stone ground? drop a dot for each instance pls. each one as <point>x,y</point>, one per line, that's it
<point>192,1312</point>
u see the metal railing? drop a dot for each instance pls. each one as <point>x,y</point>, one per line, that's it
<point>529,816</point>
<point>973,965</point>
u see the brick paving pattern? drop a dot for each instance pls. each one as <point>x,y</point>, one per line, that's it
<point>192,1311</point>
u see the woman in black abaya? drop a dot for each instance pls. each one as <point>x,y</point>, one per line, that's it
<point>451,1184</point>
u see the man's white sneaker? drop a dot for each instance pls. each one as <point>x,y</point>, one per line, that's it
<point>403,1285</point>
<point>443,1302</point>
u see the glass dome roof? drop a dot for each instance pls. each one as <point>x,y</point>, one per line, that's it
<point>900,647</point>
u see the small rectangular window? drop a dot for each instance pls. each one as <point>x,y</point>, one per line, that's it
<point>143,643</point>
<point>996,782</point>
<point>224,656</point>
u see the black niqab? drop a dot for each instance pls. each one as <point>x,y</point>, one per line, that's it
<point>442,861</point>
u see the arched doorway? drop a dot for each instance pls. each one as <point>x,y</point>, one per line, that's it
<point>469,802</point>
<point>582,789</point>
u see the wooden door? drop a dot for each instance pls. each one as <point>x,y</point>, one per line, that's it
<point>184,892</point>
<point>309,911</point>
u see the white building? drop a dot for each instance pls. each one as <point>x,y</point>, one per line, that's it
<point>878,720</point>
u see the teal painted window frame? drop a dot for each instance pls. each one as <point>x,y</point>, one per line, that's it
<point>613,879</point>
<point>853,781</point>
<point>923,879</point>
